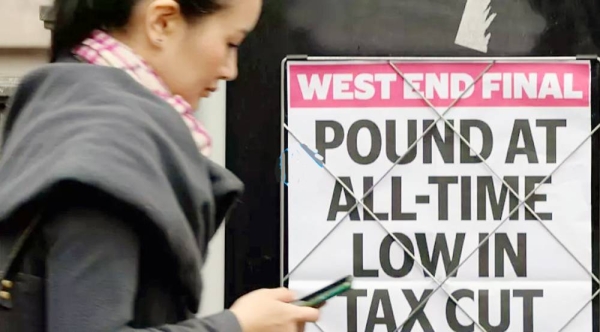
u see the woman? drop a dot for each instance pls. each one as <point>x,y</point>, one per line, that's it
<point>103,166</point>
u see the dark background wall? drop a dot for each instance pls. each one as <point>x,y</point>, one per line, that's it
<point>356,28</point>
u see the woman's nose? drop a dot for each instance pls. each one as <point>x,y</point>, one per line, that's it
<point>230,70</point>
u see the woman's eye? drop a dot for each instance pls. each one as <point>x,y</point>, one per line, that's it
<point>233,45</point>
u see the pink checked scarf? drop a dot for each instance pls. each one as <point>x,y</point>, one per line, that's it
<point>102,49</point>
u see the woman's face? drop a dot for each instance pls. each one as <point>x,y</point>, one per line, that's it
<point>191,57</point>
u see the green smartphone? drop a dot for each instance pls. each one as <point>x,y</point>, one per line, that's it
<point>317,298</point>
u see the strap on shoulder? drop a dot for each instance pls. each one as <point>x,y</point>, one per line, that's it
<point>9,270</point>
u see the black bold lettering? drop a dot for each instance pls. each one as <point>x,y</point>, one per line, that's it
<point>368,201</point>
<point>381,297</point>
<point>518,260</point>
<point>528,296</point>
<point>336,207</point>
<point>440,247</point>
<point>352,142</point>
<point>451,307</point>
<point>417,315</point>
<point>358,266</point>
<point>320,136</point>
<point>391,148</point>
<point>521,128</point>
<point>486,189</point>
<point>442,183</point>
<point>397,213</point>
<point>352,307</point>
<point>386,262</point>
<point>445,146</point>
<point>484,255</point>
<point>551,126</point>
<point>530,183</point>
<point>465,201</point>
<point>484,311</point>
<point>466,156</point>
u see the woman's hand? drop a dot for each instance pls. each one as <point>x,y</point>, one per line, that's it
<point>269,310</point>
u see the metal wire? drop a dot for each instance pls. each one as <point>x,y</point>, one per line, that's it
<point>510,189</point>
<point>318,326</point>
<point>412,146</point>
<point>521,203</point>
<point>436,59</point>
<point>579,311</point>
<point>391,234</point>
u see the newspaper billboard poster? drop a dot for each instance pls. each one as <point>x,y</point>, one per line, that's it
<point>492,201</point>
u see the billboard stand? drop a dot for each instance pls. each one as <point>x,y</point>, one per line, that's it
<point>518,107</point>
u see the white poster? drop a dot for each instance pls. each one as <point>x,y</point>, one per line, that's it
<point>528,121</point>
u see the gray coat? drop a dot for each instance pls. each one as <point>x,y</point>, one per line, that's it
<point>127,207</point>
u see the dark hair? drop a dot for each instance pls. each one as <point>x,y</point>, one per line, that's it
<point>76,19</point>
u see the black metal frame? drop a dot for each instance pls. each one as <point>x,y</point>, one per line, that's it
<point>595,181</point>
<point>356,28</point>
<point>595,107</point>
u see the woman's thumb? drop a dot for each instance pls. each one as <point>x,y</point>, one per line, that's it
<point>282,294</point>
<point>306,314</point>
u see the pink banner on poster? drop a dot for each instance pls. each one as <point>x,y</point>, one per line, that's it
<point>506,84</point>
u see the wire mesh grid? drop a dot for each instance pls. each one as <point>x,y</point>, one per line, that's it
<point>360,201</point>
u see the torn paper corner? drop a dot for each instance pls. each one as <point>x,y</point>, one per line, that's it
<point>473,30</point>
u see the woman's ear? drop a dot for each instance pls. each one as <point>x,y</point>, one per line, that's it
<point>162,20</point>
